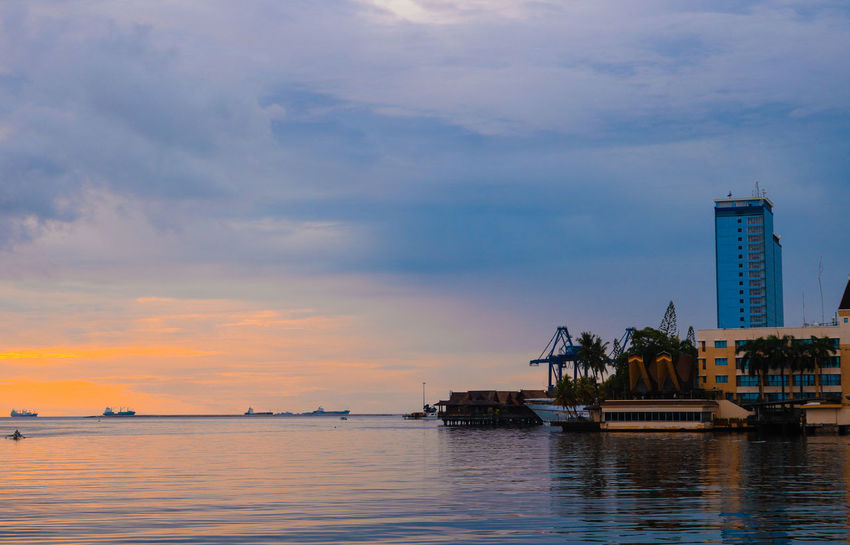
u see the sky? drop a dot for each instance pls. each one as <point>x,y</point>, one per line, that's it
<point>206,206</point>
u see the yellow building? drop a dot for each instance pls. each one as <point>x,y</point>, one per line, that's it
<point>720,365</point>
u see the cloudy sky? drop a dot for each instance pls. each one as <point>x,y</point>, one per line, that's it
<point>210,205</point>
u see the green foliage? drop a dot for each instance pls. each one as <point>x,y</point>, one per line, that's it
<point>593,354</point>
<point>572,394</point>
<point>761,355</point>
<point>669,324</point>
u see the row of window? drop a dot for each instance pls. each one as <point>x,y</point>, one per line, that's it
<point>739,343</point>
<point>776,380</point>
<point>662,416</point>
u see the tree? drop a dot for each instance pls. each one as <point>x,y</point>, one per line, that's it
<point>754,360</point>
<point>572,394</point>
<point>691,337</point>
<point>669,324</point>
<point>565,395</point>
<point>778,352</point>
<point>592,353</point>
<point>820,350</point>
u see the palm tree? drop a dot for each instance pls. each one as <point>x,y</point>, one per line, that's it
<point>778,353</point>
<point>593,354</point>
<point>565,394</point>
<point>800,360</point>
<point>820,350</point>
<point>754,360</point>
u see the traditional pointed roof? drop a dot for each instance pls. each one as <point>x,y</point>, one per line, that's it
<point>845,301</point>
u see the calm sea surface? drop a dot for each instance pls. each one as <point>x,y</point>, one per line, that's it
<point>385,480</point>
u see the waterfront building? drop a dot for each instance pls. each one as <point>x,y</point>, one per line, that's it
<point>720,365</point>
<point>667,414</point>
<point>748,264</point>
<point>489,408</point>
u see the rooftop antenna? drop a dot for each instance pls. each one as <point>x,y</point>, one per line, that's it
<point>804,309</point>
<point>729,196</point>
<point>820,287</point>
<point>757,191</point>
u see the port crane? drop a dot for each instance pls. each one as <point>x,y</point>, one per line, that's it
<point>561,352</point>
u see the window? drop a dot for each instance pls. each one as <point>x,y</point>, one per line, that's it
<point>756,283</point>
<point>739,239</point>
<point>756,257</point>
<point>831,380</point>
<point>749,397</point>
<point>753,238</point>
<point>746,380</point>
<point>807,380</point>
<point>776,380</point>
<point>756,292</point>
<point>739,229</point>
<point>719,344</point>
<point>720,361</point>
<point>720,379</point>
<point>832,362</point>
<point>702,362</point>
<point>845,320</point>
<point>755,220</point>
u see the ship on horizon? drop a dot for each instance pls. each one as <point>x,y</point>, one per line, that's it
<point>322,412</point>
<point>23,413</point>
<point>109,411</point>
<point>252,412</point>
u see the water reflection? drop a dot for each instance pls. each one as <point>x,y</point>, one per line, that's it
<point>699,488</point>
<point>385,480</point>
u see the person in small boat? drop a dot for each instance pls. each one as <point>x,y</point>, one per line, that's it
<point>17,435</point>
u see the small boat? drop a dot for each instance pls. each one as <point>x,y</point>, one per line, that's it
<point>252,412</point>
<point>322,412</point>
<point>23,413</point>
<point>427,413</point>
<point>16,436</point>
<point>109,411</point>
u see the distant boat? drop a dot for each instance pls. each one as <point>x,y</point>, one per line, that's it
<point>23,413</point>
<point>427,413</point>
<point>109,411</point>
<point>285,413</point>
<point>322,412</point>
<point>252,412</point>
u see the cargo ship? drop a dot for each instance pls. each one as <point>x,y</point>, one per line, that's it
<point>322,412</point>
<point>23,413</point>
<point>252,412</point>
<point>120,412</point>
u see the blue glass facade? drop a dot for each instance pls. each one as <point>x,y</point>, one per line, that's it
<point>749,264</point>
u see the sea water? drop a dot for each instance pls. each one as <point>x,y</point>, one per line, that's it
<point>387,480</point>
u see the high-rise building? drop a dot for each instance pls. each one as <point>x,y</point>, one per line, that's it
<point>749,264</point>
